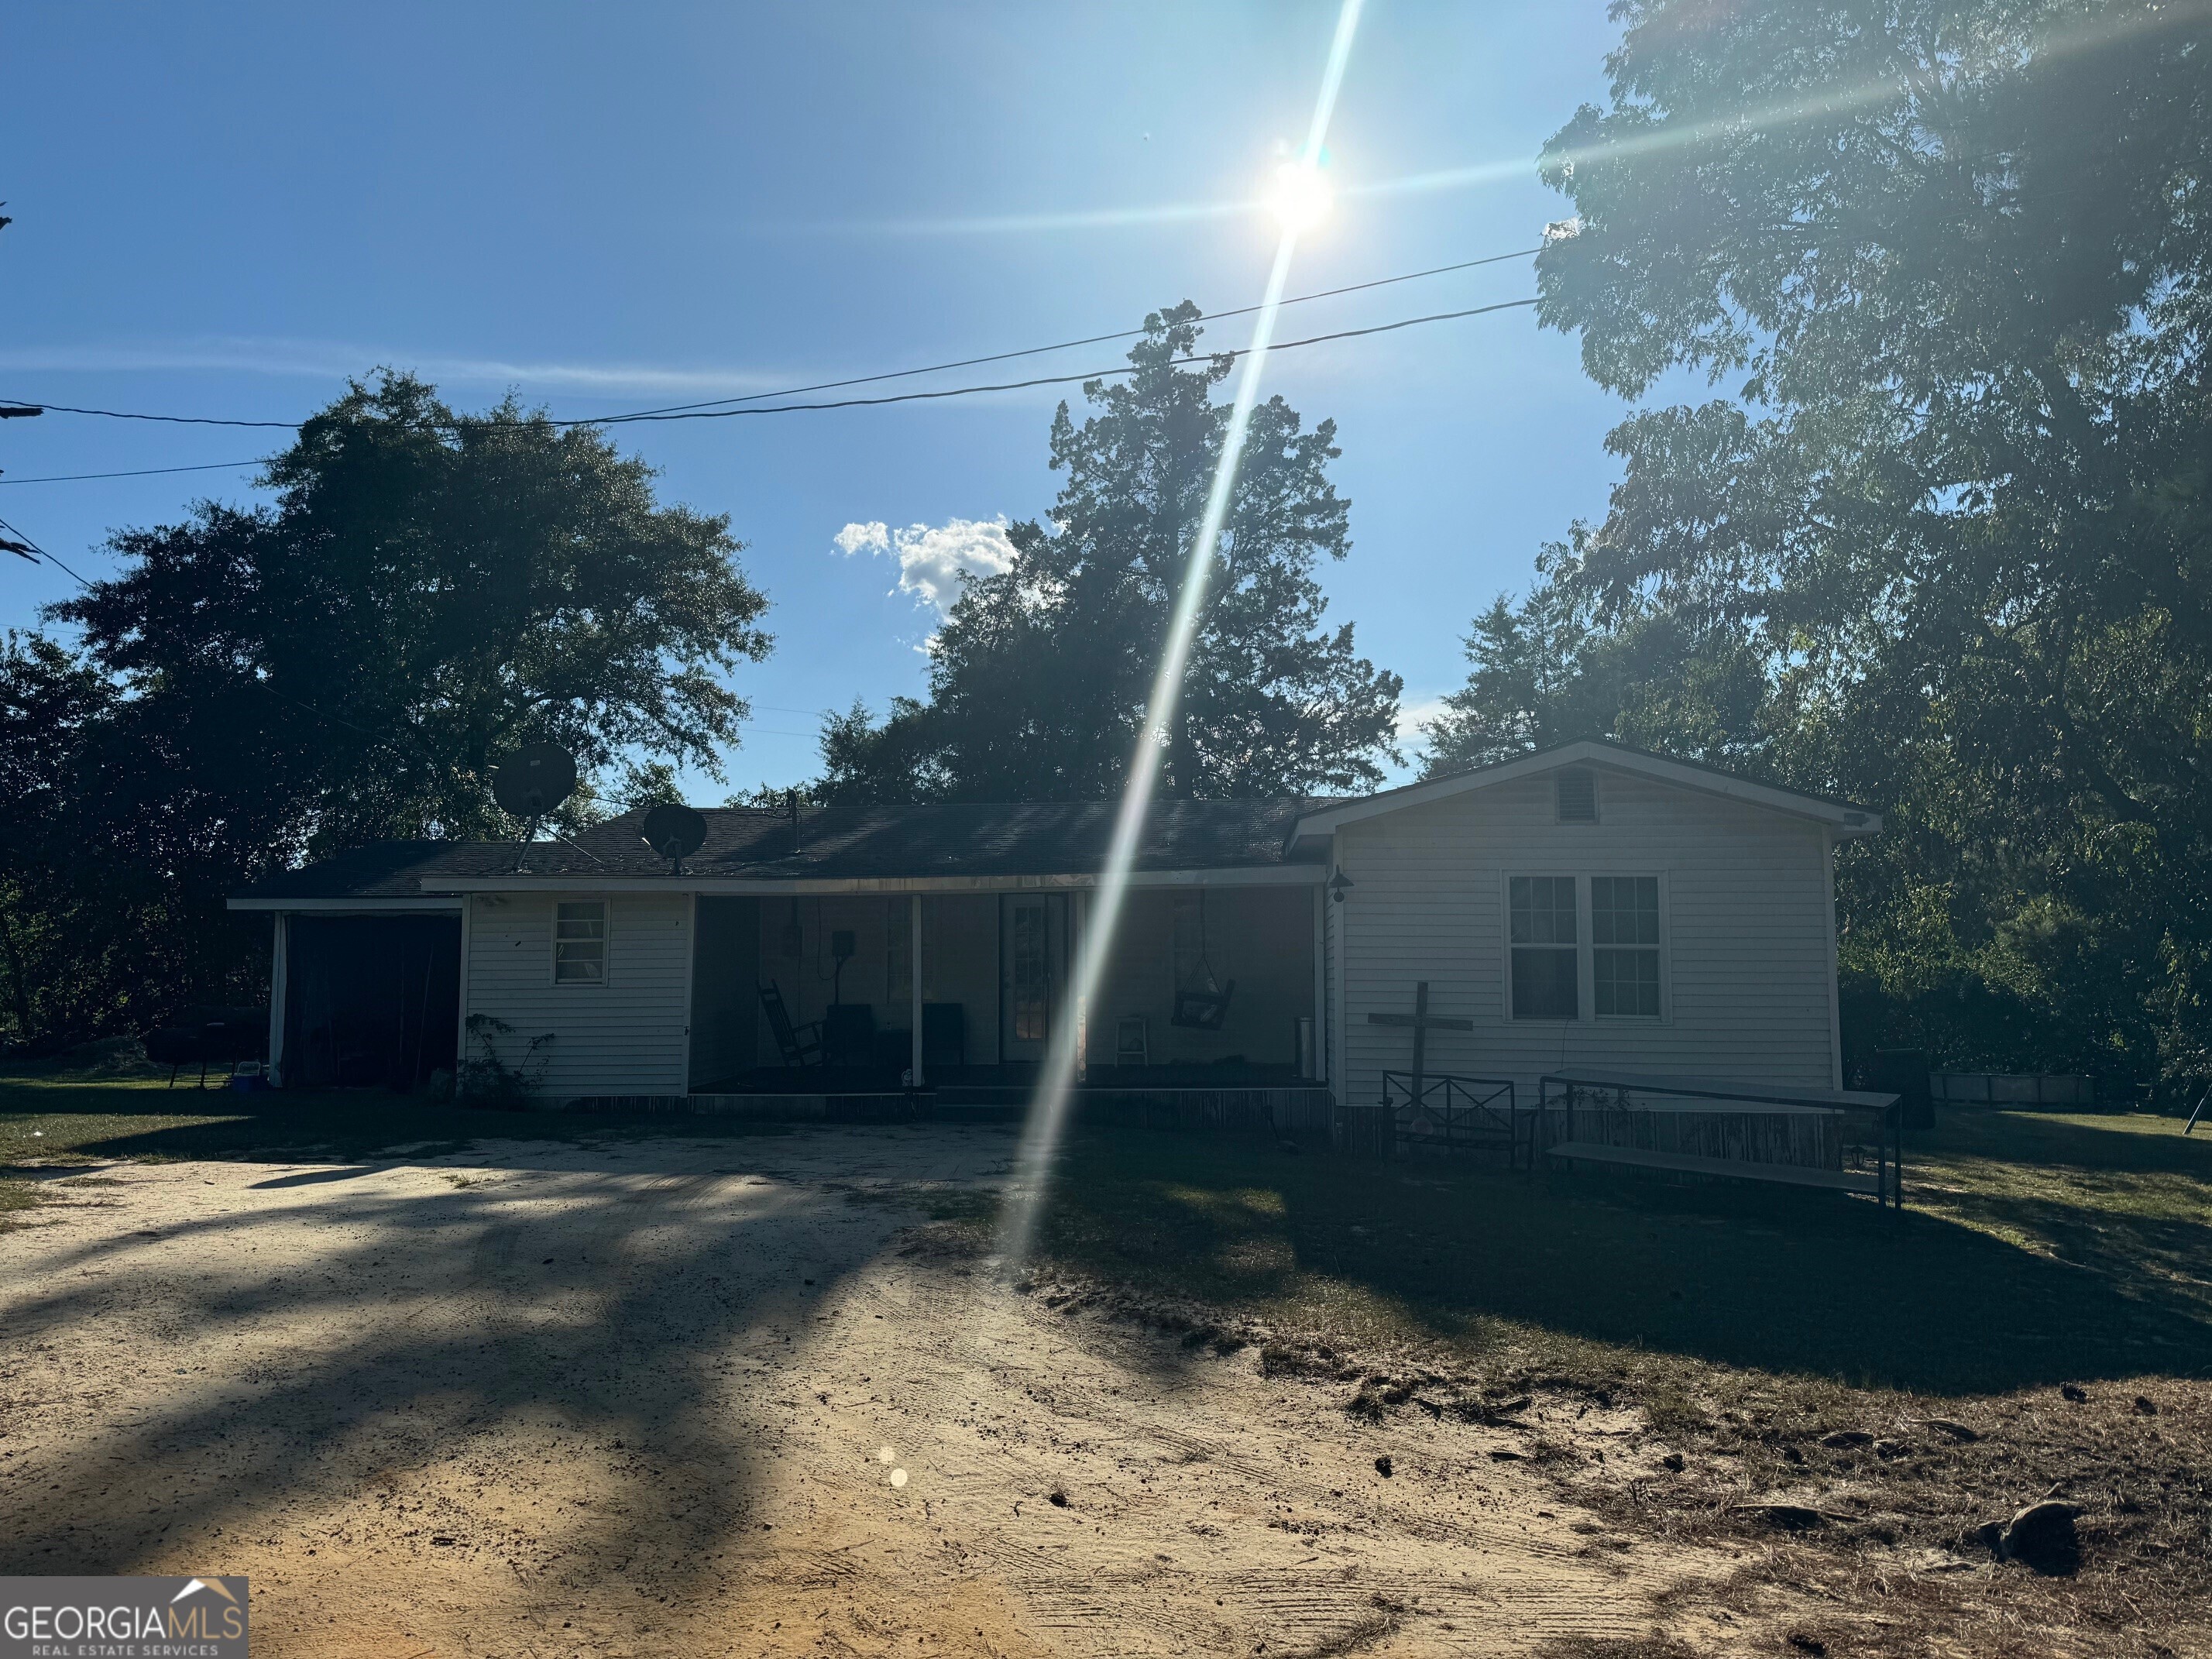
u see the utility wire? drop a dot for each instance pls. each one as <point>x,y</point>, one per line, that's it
<point>645,418</point>
<point>41,553</point>
<point>1064,379</point>
<point>136,472</point>
<point>722,404</point>
<point>1065,345</point>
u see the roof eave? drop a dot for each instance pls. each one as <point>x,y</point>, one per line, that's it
<point>306,903</point>
<point>1846,822</point>
<point>585,881</point>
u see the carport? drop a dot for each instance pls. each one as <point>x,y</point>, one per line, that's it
<point>368,1001</point>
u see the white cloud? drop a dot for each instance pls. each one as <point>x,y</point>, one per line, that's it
<point>932,559</point>
<point>334,360</point>
<point>1411,716</point>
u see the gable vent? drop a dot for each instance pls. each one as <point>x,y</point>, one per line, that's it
<point>1577,797</point>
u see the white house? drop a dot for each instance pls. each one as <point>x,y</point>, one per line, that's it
<point>1589,906</point>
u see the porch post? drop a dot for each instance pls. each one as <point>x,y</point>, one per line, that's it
<point>1339,1041</point>
<point>1835,996</point>
<point>914,937</point>
<point>279,972</point>
<point>1321,1022</point>
<point>1081,1009</point>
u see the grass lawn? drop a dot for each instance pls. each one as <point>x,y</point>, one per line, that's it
<point>2034,1249</point>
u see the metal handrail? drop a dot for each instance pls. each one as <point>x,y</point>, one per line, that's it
<point>1888,1143</point>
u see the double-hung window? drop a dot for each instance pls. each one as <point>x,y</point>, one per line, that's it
<point>1560,968</point>
<point>1546,947</point>
<point>580,942</point>
<point>1625,946</point>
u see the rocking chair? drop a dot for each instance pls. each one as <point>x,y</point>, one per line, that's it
<point>801,1045</point>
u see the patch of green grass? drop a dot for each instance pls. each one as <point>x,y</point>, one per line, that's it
<point>2124,1196</point>
<point>47,1115</point>
<point>15,1197</point>
<point>975,1206</point>
<point>2034,1249</point>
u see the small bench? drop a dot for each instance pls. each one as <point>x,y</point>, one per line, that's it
<point>1796,1175</point>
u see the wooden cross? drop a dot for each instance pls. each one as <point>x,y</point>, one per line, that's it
<point>1421,1020</point>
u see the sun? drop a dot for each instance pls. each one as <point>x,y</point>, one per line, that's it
<point>1301,199</point>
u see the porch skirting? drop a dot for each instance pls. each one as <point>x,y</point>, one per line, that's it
<point>1302,1111</point>
<point>890,1107</point>
<point>1306,1110</point>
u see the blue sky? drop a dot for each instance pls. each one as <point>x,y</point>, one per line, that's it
<point>226,210</point>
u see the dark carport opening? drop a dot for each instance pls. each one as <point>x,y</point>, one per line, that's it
<point>370,1001</point>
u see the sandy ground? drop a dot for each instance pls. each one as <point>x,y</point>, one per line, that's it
<point>680,1398</point>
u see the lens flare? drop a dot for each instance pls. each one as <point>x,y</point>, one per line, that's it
<point>1047,1122</point>
<point>1301,198</point>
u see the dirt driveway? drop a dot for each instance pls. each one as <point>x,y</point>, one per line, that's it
<point>677,1397</point>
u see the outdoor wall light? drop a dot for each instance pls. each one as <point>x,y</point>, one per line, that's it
<point>1338,885</point>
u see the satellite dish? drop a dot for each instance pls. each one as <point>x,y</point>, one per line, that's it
<point>675,832</point>
<point>537,778</point>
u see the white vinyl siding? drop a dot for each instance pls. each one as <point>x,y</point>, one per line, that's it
<point>1744,952</point>
<point>624,1035</point>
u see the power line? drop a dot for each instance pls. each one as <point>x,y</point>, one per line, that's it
<point>724,405</point>
<point>1065,345</point>
<point>136,472</point>
<point>166,420</point>
<point>1015,386</point>
<point>1064,379</point>
<point>41,553</point>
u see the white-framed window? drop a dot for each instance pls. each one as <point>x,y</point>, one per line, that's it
<point>1544,938</point>
<point>580,942</point>
<point>1585,947</point>
<point>1624,947</point>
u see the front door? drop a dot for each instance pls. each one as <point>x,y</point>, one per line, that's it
<point>1032,970</point>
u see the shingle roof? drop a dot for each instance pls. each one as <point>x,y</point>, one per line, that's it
<point>889,842</point>
<point>1036,838</point>
<point>390,869</point>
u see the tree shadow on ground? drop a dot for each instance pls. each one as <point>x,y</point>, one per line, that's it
<point>1960,1301</point>
<point>349,1124</point>
<point>619,1326</point>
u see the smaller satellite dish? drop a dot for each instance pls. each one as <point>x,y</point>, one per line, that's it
<point>674,831</point>
<point>533,780</point>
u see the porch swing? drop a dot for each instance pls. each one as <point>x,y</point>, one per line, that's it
<point>1202,1003</point>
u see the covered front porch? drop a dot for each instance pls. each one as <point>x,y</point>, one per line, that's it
<point>961,994</point>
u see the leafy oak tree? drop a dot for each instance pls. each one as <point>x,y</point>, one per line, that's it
<point>1950,258</point>
<point>1040,678</point>
<point>426,592</point>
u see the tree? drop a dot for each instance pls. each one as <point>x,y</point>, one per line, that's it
<point>426,593</point>
<point>1546,672</point>
<point>1038,681</point>
<point>1526,677</point>
<point>1956,515</point>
